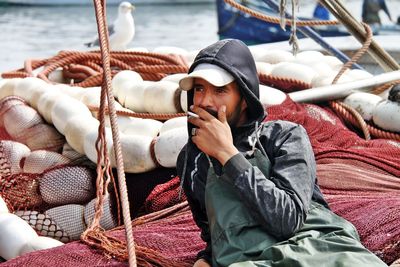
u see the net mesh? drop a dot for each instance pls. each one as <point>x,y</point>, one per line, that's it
<point>358,178</point>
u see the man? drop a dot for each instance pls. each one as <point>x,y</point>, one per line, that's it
<point>370,11</point>
<point>251,185</point>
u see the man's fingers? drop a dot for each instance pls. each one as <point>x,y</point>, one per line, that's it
<point>203,114</point>
<point>222,114</point>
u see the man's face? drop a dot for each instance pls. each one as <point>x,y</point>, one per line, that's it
<point>211,98</point>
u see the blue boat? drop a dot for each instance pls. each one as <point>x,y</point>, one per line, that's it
<point>233,23</point>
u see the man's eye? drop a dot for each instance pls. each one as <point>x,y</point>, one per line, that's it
<point>197,88</point>
<point>220,90</point>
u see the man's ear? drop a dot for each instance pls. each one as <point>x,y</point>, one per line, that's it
<point>243,104</point>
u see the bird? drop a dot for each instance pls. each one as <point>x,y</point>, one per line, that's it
<point>122,30</point>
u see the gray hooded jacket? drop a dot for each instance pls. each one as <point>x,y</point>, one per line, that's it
<point>280,202</point>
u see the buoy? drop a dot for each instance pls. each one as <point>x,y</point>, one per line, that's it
<point>364,103</point>
<point>162,97</point>
<point>131,95</point>
<point>77,128</point>
<point>271,96</point>
<point>40,160</point>
<point>45,104</point>
<point>144,127</point>
<point>64,109</point>
<point>173,124</point>
<point>135,153</point>
<point>69,218</point>
<point>387,115</point>
<point>7,87</point>
<point>264,68</point>
<point>39,243</point>
<point>15,152</point>
<point>68,185</point>
<point>107,220</point>
<point>3,206</point>
<point>15,234</point>
<point>295,71</point>
<point>274,56</point>
<point>168,145</point>
<point>123,79</point>
<point>174,77</point>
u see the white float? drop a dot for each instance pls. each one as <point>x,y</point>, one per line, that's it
<point>387,115</point>
<point>125,78</point>
<point>295,71</point>
<point>144,127</point>
<point>7,87</point>
<point>69,218</point>
<point>183,101</point>
<point>89,143</point>
<point>273,56</point>
<point>136,153</point>
<point>168,146</point>
<point>174,77</point>
<point>40,160</point>
<point>3,206</point>
<point>15,234</point>
<point>333,62</point>
<point>107,220</point>
<point>25,87</point>
<point>65,108</point>
<point>15,152</point>
<point>174,123</point>
<point>131,95</point>
<point>264,68</point>
<point>45,104</point>
<point>364,103</point>
<point>39,243</point>
<point>271,96</point>
<point>161,97</point>
<point>19,118</point>
<point>325,80</point>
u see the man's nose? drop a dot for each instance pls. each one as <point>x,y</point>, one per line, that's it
<point>205,101</point>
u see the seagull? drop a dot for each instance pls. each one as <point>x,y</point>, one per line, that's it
<point>122,31</point>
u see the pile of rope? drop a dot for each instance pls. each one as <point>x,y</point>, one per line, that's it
<point>84,68</point>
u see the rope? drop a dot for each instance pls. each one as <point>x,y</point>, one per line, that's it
<point>93,232</point>
<point>344,112</point>
<point>276,20</point>
<point>351,116</point>
<point>384,87</point>
<point>85,70</point>
<point>154,116</point>
<point>357,55</point>
<point>358,31</point>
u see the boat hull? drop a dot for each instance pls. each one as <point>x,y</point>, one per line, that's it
<point>233,23</point>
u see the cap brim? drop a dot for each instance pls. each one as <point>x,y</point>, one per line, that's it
<point>214,77</point>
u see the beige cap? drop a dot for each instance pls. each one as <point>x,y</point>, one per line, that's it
<point>213,74</point>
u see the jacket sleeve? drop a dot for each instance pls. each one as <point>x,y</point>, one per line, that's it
<point>199,216</point>
<point>281,201</point>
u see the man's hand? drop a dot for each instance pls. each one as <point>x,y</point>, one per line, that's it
<point>213,136</point>
<point>201,263</point>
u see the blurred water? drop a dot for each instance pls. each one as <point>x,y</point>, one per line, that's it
<point>40,32</point>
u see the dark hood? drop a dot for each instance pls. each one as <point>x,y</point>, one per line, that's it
<point>235,57</point>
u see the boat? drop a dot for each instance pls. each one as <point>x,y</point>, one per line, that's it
<point>89,2</point>
<point>233,23</point>
<point>358,177</point>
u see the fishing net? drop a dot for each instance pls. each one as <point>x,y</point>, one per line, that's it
<point>358,178</point>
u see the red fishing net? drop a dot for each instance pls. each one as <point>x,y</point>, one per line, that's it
<point>358,178</point>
